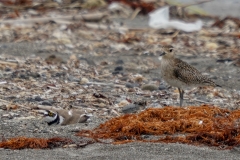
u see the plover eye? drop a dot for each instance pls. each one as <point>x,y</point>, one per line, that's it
<point>170,50</point>
<point>50,114</point>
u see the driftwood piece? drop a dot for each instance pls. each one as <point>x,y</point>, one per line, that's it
<point>86,17</point>
<point>105,27</point>
<point>8,63</point>
<point>217,34</point>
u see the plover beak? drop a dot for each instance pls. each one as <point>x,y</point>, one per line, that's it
<point>86,115</point>
<point>162,54</point>
<point>84,118</point>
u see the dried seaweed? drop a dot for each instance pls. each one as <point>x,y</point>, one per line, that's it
<point>34,143</point>
<point>17,2</point>
<point>145,7</point>
<point>221,22</point>
<point>206,124</point>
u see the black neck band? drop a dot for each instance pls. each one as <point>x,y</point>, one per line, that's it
<point>56,120</point>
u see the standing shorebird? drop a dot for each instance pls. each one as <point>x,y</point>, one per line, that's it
<point>180,74</point>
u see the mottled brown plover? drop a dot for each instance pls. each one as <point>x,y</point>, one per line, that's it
<point>180,74</point>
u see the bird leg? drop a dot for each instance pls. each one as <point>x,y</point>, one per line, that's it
<point>181,92</point>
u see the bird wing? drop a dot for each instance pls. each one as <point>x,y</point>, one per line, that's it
<point>185,66</point>
<point>185,76</point>
<point>188,74</point>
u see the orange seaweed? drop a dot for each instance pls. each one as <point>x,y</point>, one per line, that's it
<point>33,143</point>
<point>208,125</point>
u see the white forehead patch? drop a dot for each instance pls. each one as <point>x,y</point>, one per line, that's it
<point>70,112</point>
<point>50,119</point>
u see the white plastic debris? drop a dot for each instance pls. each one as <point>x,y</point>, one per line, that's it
<point>115,6</point>
<point>159,19</point>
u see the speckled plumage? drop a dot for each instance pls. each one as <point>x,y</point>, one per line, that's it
<point>180,74</point>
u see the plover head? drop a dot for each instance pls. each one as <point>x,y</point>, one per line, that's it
<point>167,51</point>
<point>84,117</point>
<point>52,118</point>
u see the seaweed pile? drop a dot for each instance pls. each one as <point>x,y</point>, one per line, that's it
<point>34,143</point>
<point>204,125</point>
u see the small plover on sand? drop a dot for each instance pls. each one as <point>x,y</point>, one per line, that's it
<point>60,116</point>
<point>180,74</point>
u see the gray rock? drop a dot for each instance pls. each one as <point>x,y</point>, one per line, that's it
<point>162,87</point>
<point>119,61</point>
<point>35,75</point>
<point>150,87</point>
<point>131,85</point>
<point>131,108</point>
<point>37,98</point>
<point>118,68</point>
<point>47,103</point>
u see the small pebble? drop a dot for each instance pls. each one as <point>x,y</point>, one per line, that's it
<point>47,103</point>
<point>162,87</point>
<point>23,76</point>
<point>131,108</point>
<point>35,75</point>
<point>70,146</point>
<point>119,61</point>
<point>150,87</point>
<point>116,72</point>
<point>37,98</point>
<point>131,85</point>
<point>84,80</point>
<point>118,68</point>
<point>8,69</point>
<point>123,103</point>
<point>3,107</point>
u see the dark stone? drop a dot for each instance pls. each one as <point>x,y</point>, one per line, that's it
<point>224,60</point>
<point>58,74</point>
<point>43,75</point>
<point>8,69</point>
<point>224,43</point>
<point>37,98</point>
<point>145,136</point>
<point>119,61</point>
<point>73,79</point>
<point>116,72</point>
<point>214,77</point>
<point>225,78</point>
<point>131,85</point>
<point>47,103</point>
<point>29,99</point>
<point>23,76</point>
<point>3,107</point>
<point>162,87</point>
<point>118,68</point>
<point>35,75</point>
<point>44,131</point>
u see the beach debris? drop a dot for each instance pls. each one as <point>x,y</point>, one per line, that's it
<point>208,125</point>
<point>34,143</point>
<point>159,19</point>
